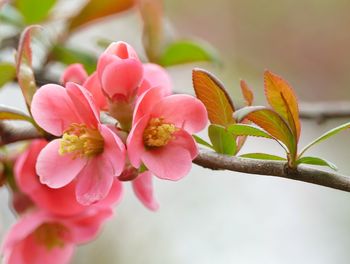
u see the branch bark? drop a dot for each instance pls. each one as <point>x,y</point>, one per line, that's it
<point>215,161</point>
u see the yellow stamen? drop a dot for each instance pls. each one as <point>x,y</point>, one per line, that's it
<point>51,235</point>
<point>158,133</point>
<point>82,141</point>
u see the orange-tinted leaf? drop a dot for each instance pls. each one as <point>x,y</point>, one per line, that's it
<point>247,93</point>
<point>152,16</point>
<point>95,9</point>
<point>25,73</point>
<point>281,97</point>
<point>214,96</point>
<point>271,122</point>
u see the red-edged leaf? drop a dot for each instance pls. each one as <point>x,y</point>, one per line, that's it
<point>152,16</point>
<point>214,96</point>
<point>281,97</point>
<point>271,122</point>
<point>96,9</point>
<point>247,93</point>
<point>25,73</point>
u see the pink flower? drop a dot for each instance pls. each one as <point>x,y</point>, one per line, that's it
<point>142,186</point>
<point>120,72</point>
<point>161,133</point>
<point>88,151</point>
<point>41,238</point>
<point>60,201</point>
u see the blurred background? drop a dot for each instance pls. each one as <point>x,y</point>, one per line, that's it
<point>227,217</point>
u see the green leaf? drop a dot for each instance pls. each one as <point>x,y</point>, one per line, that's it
<point>7,73</point>
<point>317,161</point>
<point>247,130</point>
<point>68,55</point>
<point>271,122</point>
<point>213,95</point>
<point>96,9</point>
<point>25,73</point>
<point>34,11</point>
<point>223,141</point>
<point>9,113</point>
<point>202,141</point>
<point>186,51</point>
<point>325,136</point>
<point>262,156</point>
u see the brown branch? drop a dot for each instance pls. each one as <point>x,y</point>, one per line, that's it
<point>215,161</point>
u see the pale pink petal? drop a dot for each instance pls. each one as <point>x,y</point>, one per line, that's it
<point>122,50</point>
<point>114,150</point>
<point>146,102</point>
<point>155,75</point>
<point>86,226</point>
<point>103,61</point>
<point>94,181</point>
<point>24,169</point>
<point>121,78</point>
<point>184,111</point>
<point>143,189</point>
<point>74,73</point>
<point>114,197</point>
<point>84,104</point>
<point>57,170</point>
<point>169,162</point>
<point>53,109</point>
<point>93,85</point>
<point>134,142</point>
<point>185,140</point>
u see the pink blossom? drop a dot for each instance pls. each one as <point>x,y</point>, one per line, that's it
<point>40,238</point>
<point>161,133</point>
<point>87,151</point>
<point>60,201</point>
<point>120,72</point>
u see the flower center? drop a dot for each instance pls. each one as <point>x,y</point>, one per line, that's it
<point>82,141</point>
<point>158,133</point>
<point>51,235</point>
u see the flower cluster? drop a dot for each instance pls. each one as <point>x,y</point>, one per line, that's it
<point>71,183</point>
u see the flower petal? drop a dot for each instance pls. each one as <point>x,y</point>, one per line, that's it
<point>93,85</point>
<point>143,189</point>
<point>74,73</point>
<point>169,162</point>
<point>146,102</point>
<point>186,141</point>
<point>122,50</point>
<point>57,170</point>
<point>94,181</point>
<point>134,142</point>
<point>155,75</point>
<point>114,150</point>
<point>121,78</point>
<point>84,104</point>
<point>184,111</point>
<point>53,109</point>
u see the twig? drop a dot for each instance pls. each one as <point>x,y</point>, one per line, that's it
<point>321,111</point>
<point>215,161</point>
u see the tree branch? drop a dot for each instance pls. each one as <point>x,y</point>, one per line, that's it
<point>321,111</point>
<point>215,161</point>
